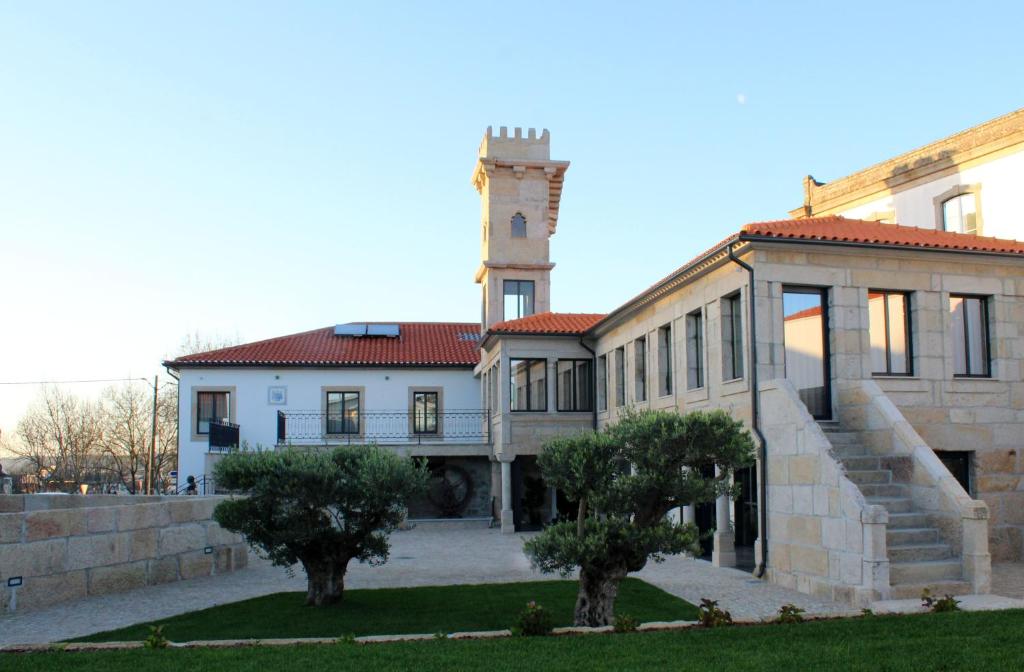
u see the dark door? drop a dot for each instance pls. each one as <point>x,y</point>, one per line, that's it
<point>705,518</point>
<point>745,513</point>
<point>959,464</point>
<point>528,494</point>
<point>805,329</point>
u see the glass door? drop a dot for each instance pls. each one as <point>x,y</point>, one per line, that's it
<point>805,320</point>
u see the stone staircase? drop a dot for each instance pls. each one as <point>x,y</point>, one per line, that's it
<point>918,557</point>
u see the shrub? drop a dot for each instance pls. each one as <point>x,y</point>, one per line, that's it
<point>710,616</point>
<point>938,604</point>
<point>790,613</point>
<point>534,621</point>
<point>625,623</point>
<point>156,638</point>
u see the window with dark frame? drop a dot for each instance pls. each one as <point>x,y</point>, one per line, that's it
<point>424,409</point>
<point>602,383</point>
<point>640,368</point>
<point>620,376</point>
<point>732,337</point>
<point>343,413</point>
<point>695,350</point>
<point>212,407</point>
<point>971,356</point>
<point>665,360</point>
<point>528,384</point>
<point>518,295</point>
<point>575,385</point>
<point>889,333</point>
<point>518,225</point>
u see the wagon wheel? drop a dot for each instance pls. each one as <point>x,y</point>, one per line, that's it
<point>450,490</point>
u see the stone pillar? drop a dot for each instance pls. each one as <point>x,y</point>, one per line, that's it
<point>554,503</point>
<point>875,574</point>
<point>723,554</point>
<point>977,561</point>
<point>6,485</point>
<point>507,521</point>
<point>690,514</point>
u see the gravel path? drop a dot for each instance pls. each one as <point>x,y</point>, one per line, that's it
<point>422,556</point>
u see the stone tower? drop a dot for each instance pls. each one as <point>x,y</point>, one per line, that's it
<point>520,190</point>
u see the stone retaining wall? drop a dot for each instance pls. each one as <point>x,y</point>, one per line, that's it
<point>67,547</point>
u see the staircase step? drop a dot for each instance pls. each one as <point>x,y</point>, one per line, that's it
<point>842,438</point>
<point>893,504</point>
<point>847,450</point>
<point>919,552</point>
<point>924,572</point>
<point>863,477</point>
<point>898,521</point>
<point>911,591</point>
<point>910,535</point>
<point>861,463</point>
<point>884,489</point>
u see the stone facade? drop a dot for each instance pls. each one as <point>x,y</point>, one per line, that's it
<point>67,547</point>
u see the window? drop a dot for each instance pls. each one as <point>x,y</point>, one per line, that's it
<point>640,368</point>
<point>342,412</point>
<point>518,225</point>
<point>620,376</point>
<point>424,412</point>
<point>529,384</point>
<point>211,407</point>
<point>889,332</point>
<point>574,383</point>
<point>970,336</point>
<point>602,383</point>
<point>665,360</point>
<point>518,299</point>
<point>732,338</point>
<point>695,350</point>
<point>960,214</point>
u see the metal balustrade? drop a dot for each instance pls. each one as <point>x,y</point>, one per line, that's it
<point>384,427</point>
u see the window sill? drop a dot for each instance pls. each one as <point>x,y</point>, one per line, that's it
<point>895,376</point>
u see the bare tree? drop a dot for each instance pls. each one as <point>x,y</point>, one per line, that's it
<point>198,342</point>
<point>128,432</point>
<point>60,436</point>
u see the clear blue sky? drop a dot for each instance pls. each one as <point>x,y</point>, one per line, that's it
<point>258,169</point>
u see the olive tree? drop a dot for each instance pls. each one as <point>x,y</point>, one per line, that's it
<point>626,479</point>
<point>322,509</point>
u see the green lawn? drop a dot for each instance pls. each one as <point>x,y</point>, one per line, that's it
<point>400,610</point>
<point>960,641</point>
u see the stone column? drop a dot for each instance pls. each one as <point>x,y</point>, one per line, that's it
<point>977,561</point>
<point>690,514</point>
<point>554,503</point>
<point>875,574</point>
<point>507,521</point>
<point>723,554</point>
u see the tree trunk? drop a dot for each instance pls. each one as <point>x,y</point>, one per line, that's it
<point>325,581</point>
<point>595,602</point>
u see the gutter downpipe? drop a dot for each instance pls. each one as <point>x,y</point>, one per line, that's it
<point>593,381</point>
<point>755,417</point>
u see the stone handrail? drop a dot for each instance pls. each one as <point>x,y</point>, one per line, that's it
<point>838,536</point>
<point>962,520</point>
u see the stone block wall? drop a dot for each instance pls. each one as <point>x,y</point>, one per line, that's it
<point>68,547</point>
<point>823,538</point>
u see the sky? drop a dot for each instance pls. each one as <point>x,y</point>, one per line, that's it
<point>247,170</point>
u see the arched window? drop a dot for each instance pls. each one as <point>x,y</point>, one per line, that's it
<point>518,225</point>
<point>960,214</point>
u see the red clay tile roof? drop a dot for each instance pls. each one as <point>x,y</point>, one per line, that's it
<point>839,229</point>
<point>548,323</point>
<point>419,344</point>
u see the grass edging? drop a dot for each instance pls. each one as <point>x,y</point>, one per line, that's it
<point>653,626</point>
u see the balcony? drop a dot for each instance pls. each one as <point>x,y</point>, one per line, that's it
<point>223,437</point>
<point>383,427</point>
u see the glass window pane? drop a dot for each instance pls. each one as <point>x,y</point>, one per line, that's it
<point>538,385</point>
<point>898,346</point>
<point>976,337</point>
<point>564,381</point>
<point>876,331</point>
<point>951,215</point>
<point>620,376</point>
<point>583,386</point>
<point>665,360</point>
<point>968,214</point>
<point>640,369</point>
<point>519,381</point>
<point>602,382</point>
<point>956,309</point>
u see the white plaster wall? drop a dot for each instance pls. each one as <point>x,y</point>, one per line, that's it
<point>1002,200</point>
<point>385,390</point>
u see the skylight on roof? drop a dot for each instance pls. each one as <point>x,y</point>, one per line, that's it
<point>360,329</point>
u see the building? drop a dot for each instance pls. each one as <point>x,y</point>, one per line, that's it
<point>878,365</point>
<point>965,183</point>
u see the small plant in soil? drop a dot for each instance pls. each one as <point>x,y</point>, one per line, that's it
<point>938,604</point>
<point>711,616</point>
<point>625,623</point>
<point>534,621</point>
<point>790,613</point>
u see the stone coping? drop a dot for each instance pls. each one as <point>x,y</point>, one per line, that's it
<point>60,501</point>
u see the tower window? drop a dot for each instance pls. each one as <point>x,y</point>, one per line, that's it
<point>518,225</point>
<point>518,299</point>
